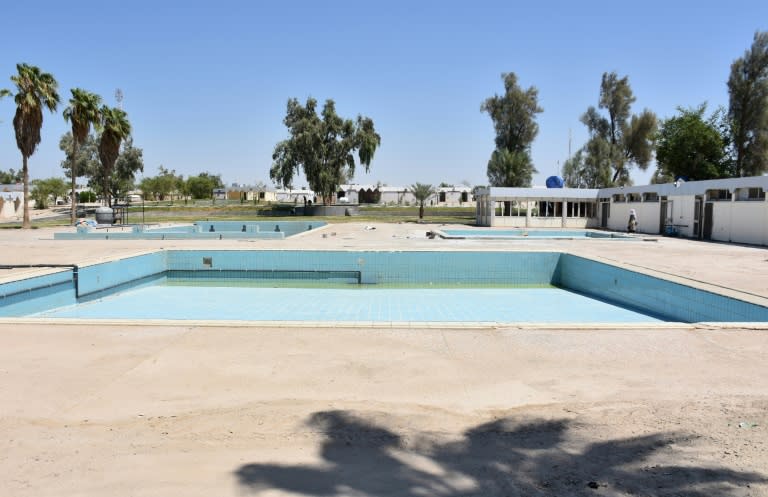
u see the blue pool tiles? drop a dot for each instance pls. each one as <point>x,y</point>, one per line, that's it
<point>629,289</point>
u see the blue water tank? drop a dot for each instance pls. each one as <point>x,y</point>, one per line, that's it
<point>555,182</point>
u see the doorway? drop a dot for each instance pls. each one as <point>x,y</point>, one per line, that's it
<point>708,220</point>
<point>697,215</point>
<point>605,211</point>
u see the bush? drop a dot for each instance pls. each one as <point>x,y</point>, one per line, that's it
<point>86,197</point>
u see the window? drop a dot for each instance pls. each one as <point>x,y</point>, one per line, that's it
<point>650,197</point>
<point>633,197</point>
<point>721,194</point>
<point>619,197</point>
<point>550,209</point>
<point>442,196</point>
<point>750,194</point>
<point>464,197</point>
<point>581,209</point>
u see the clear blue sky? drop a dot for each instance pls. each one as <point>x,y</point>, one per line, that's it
<point>205,84</point>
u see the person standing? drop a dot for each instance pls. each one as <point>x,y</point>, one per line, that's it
<point>632,224</point>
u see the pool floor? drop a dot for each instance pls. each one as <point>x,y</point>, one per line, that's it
<point>178,302</point>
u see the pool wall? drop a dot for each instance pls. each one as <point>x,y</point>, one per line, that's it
<point>37,293</point>
<point>518,268</point>
<point>658,297</point>
<point>213,230</point>
<point>651,295</point>
<point>97,279</point>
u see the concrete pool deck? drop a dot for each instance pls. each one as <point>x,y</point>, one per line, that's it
<point>98,409</point>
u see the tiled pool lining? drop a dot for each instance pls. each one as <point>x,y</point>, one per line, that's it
<point>205,230</point>
<point>675,301</point>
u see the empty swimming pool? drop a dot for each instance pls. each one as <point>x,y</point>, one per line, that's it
<point>360,286</point>
<point>207,230</point>
<point>521,233</point>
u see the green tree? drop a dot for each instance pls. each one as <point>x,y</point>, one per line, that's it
<point>511,169</point>
<point>691,146</point>
<point>82,111</point>
<point>323,146</point>
<point>34,90</point>
<point>10,176</point>
<point>202,185</point>
<point>514,120</point>
<point>121,180</point>
<point>45,189</point>
<point>87,160</point>
<point>748,108</point>
<point>622,139</point>
<point>116,128</point>
<point>129,162</point>
<point>162,185</point>
<point>422,192</point>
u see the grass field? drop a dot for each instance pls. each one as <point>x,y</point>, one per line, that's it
<point>163,212</point>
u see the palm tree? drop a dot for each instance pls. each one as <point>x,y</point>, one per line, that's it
<point>34,89</point>
<point>83,110</point>
<point>422,192</point>
<point>116,128</point>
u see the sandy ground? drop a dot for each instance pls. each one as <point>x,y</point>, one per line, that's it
<point>218,411</point>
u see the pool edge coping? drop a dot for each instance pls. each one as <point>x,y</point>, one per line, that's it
<point>477,325</point>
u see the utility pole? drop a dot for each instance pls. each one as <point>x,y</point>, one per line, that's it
<point>119,98</point>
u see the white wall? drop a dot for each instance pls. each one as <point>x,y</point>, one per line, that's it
<point>580,222</point>
<point>546,222</point>
<point>647,216</point>
<point>741,222</point>
<point>509,221</point>
<point>681,213</point>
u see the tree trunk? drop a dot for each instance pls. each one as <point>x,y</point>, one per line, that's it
<point>106,192</point>
<point>73,173</point>
<point>25,178</point>
<point>421,210</point>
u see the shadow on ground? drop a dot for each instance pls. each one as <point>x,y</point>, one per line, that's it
<point>502,458</point>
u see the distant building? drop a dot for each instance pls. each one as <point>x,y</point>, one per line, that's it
<point>402,195</point>
<point>728,210</point>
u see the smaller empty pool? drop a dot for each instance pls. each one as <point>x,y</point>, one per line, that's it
<point>520,233</point>
<point>216,230</point>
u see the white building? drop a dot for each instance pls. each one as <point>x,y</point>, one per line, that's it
<point>729,210</point>
<point>296,196</point>
<point>452,196</point>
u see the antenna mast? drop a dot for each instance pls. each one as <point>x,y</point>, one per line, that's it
<point>119,98</point>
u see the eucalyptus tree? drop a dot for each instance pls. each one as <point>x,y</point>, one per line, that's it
<point>693,146</point>
<point>122,176</point>
<point>748,108</point>
<point>86,162</point>
<point>422,192</point>
<point>202,185</point>
<point>514,120</point>
<point>129,162</point>
<point>621,139</point>
<point>45,189</point>
<point>322,146</point>
<point>589,167</point>
<point>83,111</point>
<point>115,128</point>
<point>34,90</point>
<point>10,176</point>
<point>161,186</point>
